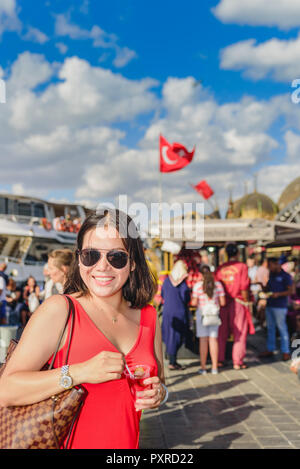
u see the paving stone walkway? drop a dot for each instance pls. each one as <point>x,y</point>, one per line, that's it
<point>255,408</point>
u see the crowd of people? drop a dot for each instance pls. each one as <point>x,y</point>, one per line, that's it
<point>231,302</point>
<point>19,302</point>
<point>67,224</point>
<point>227,302</point>
<point>111,289</point>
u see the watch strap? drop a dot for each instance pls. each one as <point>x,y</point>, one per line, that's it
<point>65,370</point>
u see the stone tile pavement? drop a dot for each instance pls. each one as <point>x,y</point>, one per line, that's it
<point>256,408</point>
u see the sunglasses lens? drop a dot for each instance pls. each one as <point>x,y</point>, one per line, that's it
<point>89,257</point>
<point>118,259</point>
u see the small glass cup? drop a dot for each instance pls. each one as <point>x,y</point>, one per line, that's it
<point>135,375</point>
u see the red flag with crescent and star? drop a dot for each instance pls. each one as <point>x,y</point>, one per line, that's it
<point>173,156</point>
<point>204,189</point>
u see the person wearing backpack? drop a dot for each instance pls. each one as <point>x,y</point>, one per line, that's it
<point>208,295</point>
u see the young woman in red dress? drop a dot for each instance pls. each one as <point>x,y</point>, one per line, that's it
<point>115,327</point>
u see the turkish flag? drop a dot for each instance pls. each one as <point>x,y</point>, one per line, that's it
<point>204,189</point>
<point>173,157</point>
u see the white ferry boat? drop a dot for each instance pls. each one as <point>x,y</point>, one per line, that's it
<point>30,228</point>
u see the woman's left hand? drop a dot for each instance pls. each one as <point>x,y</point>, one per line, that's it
<point>150,398</point>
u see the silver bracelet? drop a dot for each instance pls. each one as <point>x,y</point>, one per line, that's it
<point>166,396</point>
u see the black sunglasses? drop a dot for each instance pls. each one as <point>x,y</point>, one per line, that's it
<point>90,257</point>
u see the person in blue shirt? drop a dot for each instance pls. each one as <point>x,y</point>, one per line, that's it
<point>280,285</point>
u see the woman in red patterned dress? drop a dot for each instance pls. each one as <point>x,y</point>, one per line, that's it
<point>115,328</point>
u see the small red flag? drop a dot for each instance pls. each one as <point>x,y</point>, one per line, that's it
<point>204,189</point>
<point>173,157</point>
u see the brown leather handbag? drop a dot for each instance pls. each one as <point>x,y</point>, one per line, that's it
<point>47,424</point>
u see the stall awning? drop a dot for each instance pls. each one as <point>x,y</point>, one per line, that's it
<point>219,231</point>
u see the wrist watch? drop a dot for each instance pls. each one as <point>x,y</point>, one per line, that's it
<point>66,380</point>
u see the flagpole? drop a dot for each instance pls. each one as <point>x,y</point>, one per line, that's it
<point>160,191</point>
<point>159,185</point>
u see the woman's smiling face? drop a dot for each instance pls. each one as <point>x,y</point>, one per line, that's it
<point>102,279</point>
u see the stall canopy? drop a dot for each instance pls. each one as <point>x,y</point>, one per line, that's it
<point>205,232</point>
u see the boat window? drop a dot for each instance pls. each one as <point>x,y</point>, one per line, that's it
<point>59,211</point>
<point>72,211</point>
<point>2,205</point>
<point>39,210</point>
<point>40,248</point>
<point>24,209</point>
<point>12,206</point>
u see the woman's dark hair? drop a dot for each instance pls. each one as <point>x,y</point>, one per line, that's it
<point>204,268</point>
<point>140,286</point>
<point>208,283</point>
<point>33,278</point>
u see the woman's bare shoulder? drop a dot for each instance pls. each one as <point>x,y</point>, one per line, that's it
<point>52,311</point>
<point>39,338</point>
<point>54,304</point>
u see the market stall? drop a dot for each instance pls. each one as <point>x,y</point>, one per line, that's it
<point>180,239</point>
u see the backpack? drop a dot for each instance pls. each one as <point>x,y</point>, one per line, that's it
<point>210,314</point>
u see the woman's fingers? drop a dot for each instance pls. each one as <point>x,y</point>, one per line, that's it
<point>150,398</point>
<point>152,380</point>
<point>146,393</point>
<point>150,403</point>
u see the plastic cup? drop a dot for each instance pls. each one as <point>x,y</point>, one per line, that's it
<point>135,375</point>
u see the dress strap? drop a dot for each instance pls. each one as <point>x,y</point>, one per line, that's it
<point>149,316</point>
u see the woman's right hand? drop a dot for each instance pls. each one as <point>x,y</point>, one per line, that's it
<point>106,366</point>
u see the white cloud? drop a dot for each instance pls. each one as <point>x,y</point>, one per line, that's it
<point>56,134</point>
<point>123,56</point>
<point>85,7</point>
<point>245,149</point>
<point>284,14</point>
<point>66,136</point>
<point>18,189</point>
<point>28,71</point>
<point>277,59</point>
<point>99,38</point>
<point>63,27</point>
<point>230,139</point>
<point>275,178</point>
<point>63,48</point>
<point>292,141</point>
<point>177,92</point>
<point>84,95</point>
<point>9,20</point>
<point>35,35</point>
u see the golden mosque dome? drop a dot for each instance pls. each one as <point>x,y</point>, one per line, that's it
<point>290,193</point>
<point>254,205</point>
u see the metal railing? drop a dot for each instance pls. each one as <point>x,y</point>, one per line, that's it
<point>21,219</point>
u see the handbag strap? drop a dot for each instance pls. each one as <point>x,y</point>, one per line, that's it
<point>71,313</point>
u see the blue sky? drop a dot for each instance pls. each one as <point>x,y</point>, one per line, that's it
<point>91,84</point>
<point>169,40</point>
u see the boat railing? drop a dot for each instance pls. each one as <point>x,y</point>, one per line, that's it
<point>26,262</point>
<point>60,224</point>
<point>19,260</point>
<point>22,219</point>
<point>6,259</point>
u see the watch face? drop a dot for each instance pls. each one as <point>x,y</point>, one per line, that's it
<point>66,382</point>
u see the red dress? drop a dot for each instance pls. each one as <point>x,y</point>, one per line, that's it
<point>108,419</point>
